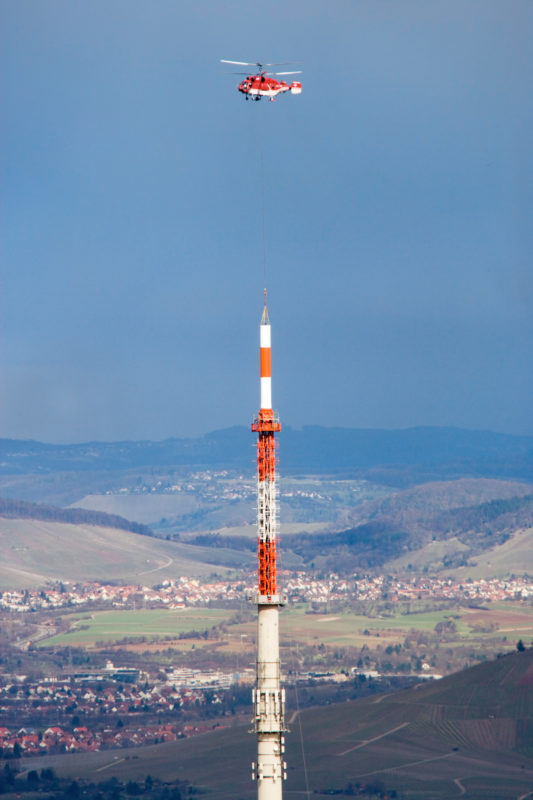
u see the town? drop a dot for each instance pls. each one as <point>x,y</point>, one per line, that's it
<point>298,586</point>
<point>99,697</point>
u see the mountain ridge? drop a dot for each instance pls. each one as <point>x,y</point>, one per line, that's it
<point>397,457</point>
<point>21,509</point>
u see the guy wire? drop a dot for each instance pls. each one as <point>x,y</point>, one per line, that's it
<point>298,716</point>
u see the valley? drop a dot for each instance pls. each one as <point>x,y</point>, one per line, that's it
<point>395,578</point>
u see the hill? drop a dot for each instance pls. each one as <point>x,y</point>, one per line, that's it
<point>393,457</point>
<point>34,551</point>
<point>469,735</point>
<point>481,527</point>
<point>19,509</point>
<point>514,556</point>
<point>441,525</point>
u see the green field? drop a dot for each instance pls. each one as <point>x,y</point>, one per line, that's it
<point>111,626</point>
<point>351,630</point>
<point>494,626</point>
<point>338,628</point>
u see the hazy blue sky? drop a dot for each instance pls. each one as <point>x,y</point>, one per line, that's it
<point>399,208</point>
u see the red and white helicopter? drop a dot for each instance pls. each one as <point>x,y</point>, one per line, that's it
<point>254,87</point>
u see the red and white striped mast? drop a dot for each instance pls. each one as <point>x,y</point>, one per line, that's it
<point>268,697</point>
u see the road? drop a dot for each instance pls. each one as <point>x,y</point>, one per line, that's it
<point>365,742</point>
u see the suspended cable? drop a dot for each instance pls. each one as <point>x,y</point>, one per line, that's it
<point>262,188</point>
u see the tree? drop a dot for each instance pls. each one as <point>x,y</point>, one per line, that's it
<point>8,775</point>
<point>445,627</point>
<point>520,646</point>
<point>32,779</point>
<point>73,790</point>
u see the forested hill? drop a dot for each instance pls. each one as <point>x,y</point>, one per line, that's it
<point>18,509</point>
<point>473,515</point>
<point>397,457</point>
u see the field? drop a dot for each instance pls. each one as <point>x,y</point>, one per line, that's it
<point>468,735</point>
<point>495,627</point>
<point>156,624</point>
<point>350,630</point>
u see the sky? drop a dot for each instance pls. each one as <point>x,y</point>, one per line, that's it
<point>396,194</point>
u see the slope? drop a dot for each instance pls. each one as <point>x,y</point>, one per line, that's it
<point>19,509</point>
<point>438,525</point>
<point>469,735</point>
<point>515,555</point>
<point>34,551</point>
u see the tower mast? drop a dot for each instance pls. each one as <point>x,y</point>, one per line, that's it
<point>268,698</point>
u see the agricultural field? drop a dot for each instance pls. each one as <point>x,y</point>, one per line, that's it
<point>484,631</point>
<point>350,630</point>
<point>106,627</point>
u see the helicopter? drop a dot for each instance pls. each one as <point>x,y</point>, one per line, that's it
<point>255,87</point>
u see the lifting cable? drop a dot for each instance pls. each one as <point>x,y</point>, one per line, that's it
<point>262,182</point>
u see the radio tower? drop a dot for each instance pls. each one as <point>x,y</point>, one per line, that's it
<point>268,698</point>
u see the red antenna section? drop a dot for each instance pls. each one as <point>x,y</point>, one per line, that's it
<point>266,425</point>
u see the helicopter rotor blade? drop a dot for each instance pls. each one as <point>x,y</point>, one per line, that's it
<point>296,72</point>
<point>240,63</point>
<point>259,63</point>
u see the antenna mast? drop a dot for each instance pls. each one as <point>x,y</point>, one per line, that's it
<point>268,697</point>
